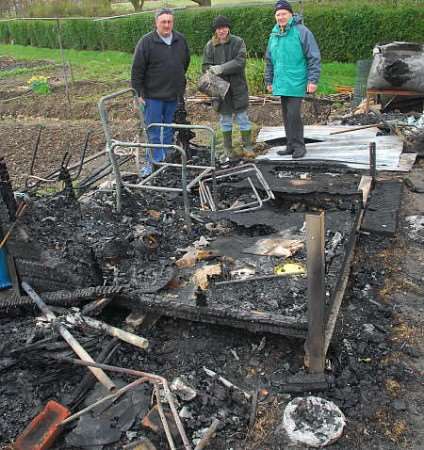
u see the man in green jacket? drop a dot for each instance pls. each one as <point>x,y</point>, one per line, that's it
<point>293,66</point>
<point>225,55</point>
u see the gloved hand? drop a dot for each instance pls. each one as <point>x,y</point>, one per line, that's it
<point>216,70</point>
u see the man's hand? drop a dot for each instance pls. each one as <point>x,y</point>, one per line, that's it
<point>138,102</point>
<point>216,70</point>
<point>269,88</point>
<point>312,87</point>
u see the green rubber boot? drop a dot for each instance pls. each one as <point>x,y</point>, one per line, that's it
<point>246,140</point>
<point>228,144</point>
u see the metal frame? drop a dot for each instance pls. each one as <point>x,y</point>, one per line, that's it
<point>207,199</point>
<point>119,183</point>
<point>112,144</point>
<point>157,381</point>
<point>32,181</point>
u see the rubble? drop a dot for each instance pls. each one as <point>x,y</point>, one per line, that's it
<point>313,421</point>
<point>184,391</point>
<point>82,253</point>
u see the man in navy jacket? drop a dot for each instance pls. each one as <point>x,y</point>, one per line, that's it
<point>160,62</point>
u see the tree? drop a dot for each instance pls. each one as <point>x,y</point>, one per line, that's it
<point>203,2</point>
<point>137,4</point>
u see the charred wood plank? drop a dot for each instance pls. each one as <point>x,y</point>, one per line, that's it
<point>255,321</point>
<point>382,213</point>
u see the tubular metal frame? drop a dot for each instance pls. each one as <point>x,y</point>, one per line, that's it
<point>207,199</point>
<point>112,144</point>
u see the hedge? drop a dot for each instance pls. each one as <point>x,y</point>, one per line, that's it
<point>344,33</point>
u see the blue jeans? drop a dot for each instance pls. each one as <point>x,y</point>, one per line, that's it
<point>226,121</point>
<point>159,111</point>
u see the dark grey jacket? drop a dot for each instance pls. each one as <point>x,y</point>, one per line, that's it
<point>158,70</point>
<point>232,55</point>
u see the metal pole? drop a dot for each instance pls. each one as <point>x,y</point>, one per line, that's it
<point>373,161</point>
<point>315,247</point>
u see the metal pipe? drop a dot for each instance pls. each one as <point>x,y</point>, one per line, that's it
<point>103,113</point>
<point>163,419</point>
<point>82,157</point>
<point>373,161</point>
<point>115,395</point>
<point>139,374</point>
<point>141,185</point>
<point>73,343</point>
<point>34,153</point>
<point>177,126</point>
<point>49,178</point>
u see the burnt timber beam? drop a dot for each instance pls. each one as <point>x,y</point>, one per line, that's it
<point>315,251</point>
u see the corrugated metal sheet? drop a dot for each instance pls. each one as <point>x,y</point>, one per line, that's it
<point>352,149</point>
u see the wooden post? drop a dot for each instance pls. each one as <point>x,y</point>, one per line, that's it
<point>65,74</point>
<point>315,248</point>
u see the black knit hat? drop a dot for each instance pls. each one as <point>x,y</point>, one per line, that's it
<point>221,21</point>
<point>282,4</point>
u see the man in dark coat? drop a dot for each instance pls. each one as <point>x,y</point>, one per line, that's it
<point>160,62</point>
<point>225,55</point>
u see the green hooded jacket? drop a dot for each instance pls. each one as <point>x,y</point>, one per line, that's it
<point>292,59</point>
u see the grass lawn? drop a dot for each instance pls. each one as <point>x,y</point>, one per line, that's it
<point>126,7</point>
<point>115,66</point>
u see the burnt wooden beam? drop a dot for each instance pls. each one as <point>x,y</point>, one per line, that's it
<point>315,250</point>
<point>338,294</point>
<point>382,214</point>
<point>255,321</point>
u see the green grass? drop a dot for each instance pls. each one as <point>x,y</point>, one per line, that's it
<point>115,66</point>
<point>126,7</point>
<point>24,71</point>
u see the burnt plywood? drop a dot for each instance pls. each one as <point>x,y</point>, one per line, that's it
<point>277,305</point>
<point>285,180</point>
<point>382,213</point>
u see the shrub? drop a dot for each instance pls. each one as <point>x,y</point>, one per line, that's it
<point>345,33</point>
<point>67,8</point>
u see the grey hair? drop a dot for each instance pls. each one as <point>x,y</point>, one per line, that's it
<point>161,11</point>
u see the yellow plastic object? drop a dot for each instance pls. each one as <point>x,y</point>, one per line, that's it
<point>289,268</point>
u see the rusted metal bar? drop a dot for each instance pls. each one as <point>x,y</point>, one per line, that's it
<point>315,249</point>
<point>152,378</point>
<point>115,395</point>
<point>362,127</point>
<point>34,154</point>
<point>164,419</point>
<point>19,212</point>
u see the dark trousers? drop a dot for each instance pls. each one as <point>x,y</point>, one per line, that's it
<point>293,123</point>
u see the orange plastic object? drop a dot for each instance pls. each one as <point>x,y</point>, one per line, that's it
<point>43,430</point>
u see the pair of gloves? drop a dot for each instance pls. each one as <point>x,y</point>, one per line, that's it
<point>216,70</point>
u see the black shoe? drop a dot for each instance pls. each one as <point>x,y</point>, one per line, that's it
<point>299,153</point>
<point>288,151</point>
